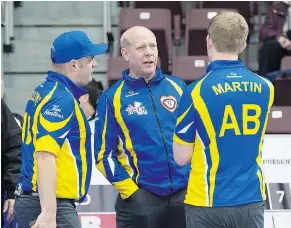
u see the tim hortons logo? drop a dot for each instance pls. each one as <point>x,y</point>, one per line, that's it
<point>169,103</point>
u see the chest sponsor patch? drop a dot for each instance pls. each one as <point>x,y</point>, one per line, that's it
<point>54,111</point>
<point>169,103</point>
<point>136,108</point>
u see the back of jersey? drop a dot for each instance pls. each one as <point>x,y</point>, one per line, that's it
<point>232,106</point>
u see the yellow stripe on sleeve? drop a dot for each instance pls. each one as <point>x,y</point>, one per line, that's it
<point>176,86</point>
<point>24,127</point>
<point>201,107</point>
<point>179,119</point>
<point>120,121</point>
<point>99,164</point>
<point>83,152</point>
<point>180,141</point>
<point>259,157</point>
<point>53,126</point>
<point>197,190</point>
<point>126,187</point>
<point>34,132</point>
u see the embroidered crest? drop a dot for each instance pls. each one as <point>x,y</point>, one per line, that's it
<point>169,103</point>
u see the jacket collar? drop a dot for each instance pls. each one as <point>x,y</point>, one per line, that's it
<point>222,64</point>
<point>158,77</point>
<point>73,88</point>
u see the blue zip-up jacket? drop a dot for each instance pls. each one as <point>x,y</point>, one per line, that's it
<point>134,135</point>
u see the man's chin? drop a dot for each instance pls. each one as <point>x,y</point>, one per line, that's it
<point>148,74</point>
<point>84,84</point>
<point>150,70</point>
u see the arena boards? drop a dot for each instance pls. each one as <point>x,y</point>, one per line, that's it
<point>277,167</point>
<point>98,209</point>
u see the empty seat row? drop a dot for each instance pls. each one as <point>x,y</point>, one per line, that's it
<point>159,21</point>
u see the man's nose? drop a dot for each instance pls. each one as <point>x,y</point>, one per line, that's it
<point>149,51</point>
<point>94,63</point>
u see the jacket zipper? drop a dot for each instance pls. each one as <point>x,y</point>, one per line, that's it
<point>160,129</point>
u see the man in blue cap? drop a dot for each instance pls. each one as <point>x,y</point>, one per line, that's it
<point>56,138</point>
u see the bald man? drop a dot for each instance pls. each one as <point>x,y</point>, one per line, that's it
<point>134,137</point>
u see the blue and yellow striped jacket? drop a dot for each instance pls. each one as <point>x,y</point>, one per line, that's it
<point>134,135</point>
<point>54,122</point>
<point>224,115</point>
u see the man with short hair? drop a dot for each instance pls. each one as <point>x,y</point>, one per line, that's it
<point>56,138</point>
<point>220,128</point>
<point>134,136</point>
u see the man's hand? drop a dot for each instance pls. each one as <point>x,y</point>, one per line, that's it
<point>45,220</point>
<point>284,42</point>
<point>9,206</point>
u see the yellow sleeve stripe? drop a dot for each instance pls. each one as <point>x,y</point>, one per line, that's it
<point>120,121</point>
<point>53,126</point>
<point>28,137</point>
<point>126,187</point>
<point>47,144</point>
<point>180,141</point>
<point>100,158</point>
<point>271,88</point>
<point>183,115</point>
<point>34,131</point>
<point>82,143</point>
<point>176,86</point>
<point>24,127</point>
<point>259,157</point>
<point>201,107</point>
<point>100,167</point>
<point>123,158</point>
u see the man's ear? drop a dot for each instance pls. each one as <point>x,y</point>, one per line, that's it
<point>209,42</point>
<point>124,53</point>
<point>242,48</point>
<point>73,64</point>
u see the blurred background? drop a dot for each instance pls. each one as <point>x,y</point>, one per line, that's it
<point>29,28</point>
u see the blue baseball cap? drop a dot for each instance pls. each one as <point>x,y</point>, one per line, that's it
<point>75,45</point>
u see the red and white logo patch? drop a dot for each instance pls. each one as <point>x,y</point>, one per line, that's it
<point>169,103</point>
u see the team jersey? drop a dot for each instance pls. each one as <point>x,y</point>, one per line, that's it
<point>55,123</point>
<point>224,115</point>
<point>134,135</point>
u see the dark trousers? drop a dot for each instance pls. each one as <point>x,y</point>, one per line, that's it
<point>27,209</point>
<point>245,216</point>
<point>270,55</point>
<point>147,210</point>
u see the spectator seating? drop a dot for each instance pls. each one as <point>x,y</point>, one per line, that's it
<point>197,22</point>
<point>190,68</point>
<point>279,120</point>
<point>176,7</point>
<point>286,63</point>
<point>245,8</point>
<point>282,91</point>
<point>115,66</point>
